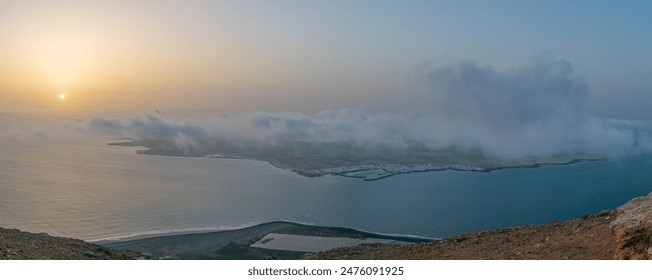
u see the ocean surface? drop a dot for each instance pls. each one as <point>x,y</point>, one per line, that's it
<point>93,191</point>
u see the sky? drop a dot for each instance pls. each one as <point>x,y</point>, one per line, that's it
<point>305,56</point>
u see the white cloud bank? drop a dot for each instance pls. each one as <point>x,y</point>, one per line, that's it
<point>537,110</point>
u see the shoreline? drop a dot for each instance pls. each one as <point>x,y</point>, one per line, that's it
<point>219,229</point>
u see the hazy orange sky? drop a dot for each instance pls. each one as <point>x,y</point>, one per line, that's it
<point>141,55</point>
<point>297,55</point>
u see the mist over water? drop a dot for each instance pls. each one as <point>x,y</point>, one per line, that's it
<point>59,176</point>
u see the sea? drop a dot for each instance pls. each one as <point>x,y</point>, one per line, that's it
<point>93,191</point>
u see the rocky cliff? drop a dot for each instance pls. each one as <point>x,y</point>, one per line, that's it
<point>632,229</point>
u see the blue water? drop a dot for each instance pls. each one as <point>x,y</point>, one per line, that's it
<point>93,191</point>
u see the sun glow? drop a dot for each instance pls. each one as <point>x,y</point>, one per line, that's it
<point>63,62</point>
<point>49,67</point>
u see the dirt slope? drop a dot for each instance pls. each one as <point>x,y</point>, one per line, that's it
<point>587,238</point>
<point>18,245</point>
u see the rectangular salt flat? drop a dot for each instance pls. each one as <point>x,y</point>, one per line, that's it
<point>313,244</point>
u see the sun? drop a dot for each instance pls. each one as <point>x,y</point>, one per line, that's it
<point>62,96</point>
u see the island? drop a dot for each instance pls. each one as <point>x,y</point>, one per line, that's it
<point>313,159</point>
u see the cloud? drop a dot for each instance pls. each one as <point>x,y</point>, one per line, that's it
<point>537,110</point>
<point>543,91</point>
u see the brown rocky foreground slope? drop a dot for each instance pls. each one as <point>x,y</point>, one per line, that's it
<point>587,238</point>
<point>18,245</point>
<point>624,233</point>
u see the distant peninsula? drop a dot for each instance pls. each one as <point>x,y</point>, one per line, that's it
<point>313,159</point>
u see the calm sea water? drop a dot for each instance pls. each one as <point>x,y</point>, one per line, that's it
<point>93,191</point>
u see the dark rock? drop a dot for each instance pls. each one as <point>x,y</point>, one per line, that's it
<point>89,254</point>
